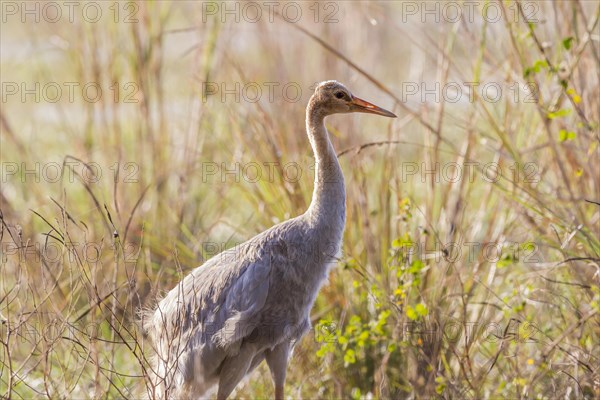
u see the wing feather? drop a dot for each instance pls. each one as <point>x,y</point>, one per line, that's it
<point>218,303</point>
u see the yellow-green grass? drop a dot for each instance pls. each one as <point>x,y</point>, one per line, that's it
<point>391,323</point>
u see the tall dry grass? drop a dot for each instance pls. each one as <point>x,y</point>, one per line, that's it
<point>479,287</point>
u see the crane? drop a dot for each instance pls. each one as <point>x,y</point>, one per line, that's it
<point>252,302</point>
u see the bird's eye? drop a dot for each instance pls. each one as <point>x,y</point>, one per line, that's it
<point>339,95</point>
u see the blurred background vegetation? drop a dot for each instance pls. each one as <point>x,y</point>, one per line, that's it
<point>452,284</point>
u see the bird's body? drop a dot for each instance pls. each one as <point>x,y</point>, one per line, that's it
<point>258,293</point>
<point>252,302</point>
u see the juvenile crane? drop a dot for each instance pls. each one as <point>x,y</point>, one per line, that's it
<point>252,302</point>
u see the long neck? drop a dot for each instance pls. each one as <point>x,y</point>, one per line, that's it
<point>328,205</point>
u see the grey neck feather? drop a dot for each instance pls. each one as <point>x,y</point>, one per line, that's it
<point>328,206</point>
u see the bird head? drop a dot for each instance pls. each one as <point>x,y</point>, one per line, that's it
<point>334,98</point>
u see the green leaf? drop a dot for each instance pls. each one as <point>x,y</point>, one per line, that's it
<point>402,242</point>
<point>411,314</point>
<point>439,389</point>
<point>364,335</point>
<point>325,349</point>
<point>421,309</point>
<point>560,113</point>
<point>416,267</point>
<point>349,357</point>
<point>519,307</point>
<point>565,135</point>
<point>535,68</point>
<point>567,42</point>
<point>505,261</point>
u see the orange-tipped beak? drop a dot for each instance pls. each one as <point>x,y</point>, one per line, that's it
<point>363,106</point>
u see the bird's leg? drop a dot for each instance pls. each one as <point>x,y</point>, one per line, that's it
<point>234,368</point>
<point>277,360</point>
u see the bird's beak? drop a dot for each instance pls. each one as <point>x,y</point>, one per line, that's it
<point>360,105</point>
